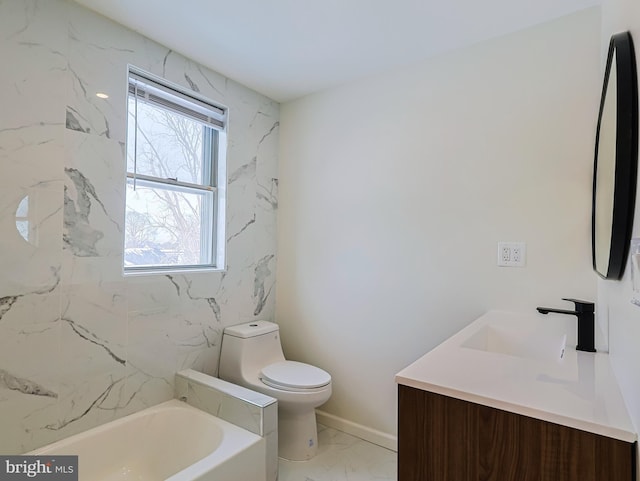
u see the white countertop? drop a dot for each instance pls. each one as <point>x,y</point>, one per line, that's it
<point>578,390</point>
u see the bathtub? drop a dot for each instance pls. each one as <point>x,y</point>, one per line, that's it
<point>171,441</point>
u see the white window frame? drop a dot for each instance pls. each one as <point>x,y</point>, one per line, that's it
<point>165,95</point>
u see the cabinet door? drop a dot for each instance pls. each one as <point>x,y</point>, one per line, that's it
<point>436,438</point>
<point>446,439</point>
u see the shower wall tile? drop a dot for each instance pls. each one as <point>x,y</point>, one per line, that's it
<point>80,343</point>
<point>95,401</point>
<point>28,424</point>
<point>93,352</point>
<point>33,42</point>
<point>152,360</point>
<point>31,156</point>
<point>98,55</point>
<point>31,226</point>
<point>94,195</point>
<point>29,388</point>
<point>167,328</point>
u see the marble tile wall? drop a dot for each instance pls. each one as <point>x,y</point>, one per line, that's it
<point>80,344</point>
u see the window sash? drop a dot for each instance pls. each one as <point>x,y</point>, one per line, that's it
<point>169,182</point>
<point>207,223</point>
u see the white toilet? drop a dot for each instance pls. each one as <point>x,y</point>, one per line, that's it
<point>252,356</point>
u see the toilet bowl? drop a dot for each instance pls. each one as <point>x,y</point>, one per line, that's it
<point>251,356</point>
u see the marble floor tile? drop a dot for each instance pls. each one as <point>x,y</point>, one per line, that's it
<point>342,457</point>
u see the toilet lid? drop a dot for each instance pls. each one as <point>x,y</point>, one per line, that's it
<point>293,374</point>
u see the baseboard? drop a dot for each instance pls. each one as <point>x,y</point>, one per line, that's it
<point>358,430</point>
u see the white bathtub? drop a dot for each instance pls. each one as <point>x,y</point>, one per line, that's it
<point>171,441</point>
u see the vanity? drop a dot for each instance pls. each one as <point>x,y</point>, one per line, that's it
<point>506,399</point>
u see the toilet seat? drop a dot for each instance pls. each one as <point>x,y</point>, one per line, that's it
<point>294,376</point>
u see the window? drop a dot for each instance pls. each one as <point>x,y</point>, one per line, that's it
<point>175,158</point>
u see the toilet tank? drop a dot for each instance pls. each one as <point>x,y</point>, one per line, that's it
<point>247,348</point>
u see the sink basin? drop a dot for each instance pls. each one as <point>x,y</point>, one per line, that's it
<point>532,340</point>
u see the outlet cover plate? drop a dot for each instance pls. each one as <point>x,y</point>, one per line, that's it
<point>512,254</point>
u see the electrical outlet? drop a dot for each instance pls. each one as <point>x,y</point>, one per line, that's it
<point>511,254</point>
<point>516,253</point>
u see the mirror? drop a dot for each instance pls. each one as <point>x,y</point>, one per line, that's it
<point>616,159</point>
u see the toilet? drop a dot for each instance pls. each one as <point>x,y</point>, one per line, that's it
<point>252,356</point>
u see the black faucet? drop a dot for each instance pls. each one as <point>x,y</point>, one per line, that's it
<point>586,326</point>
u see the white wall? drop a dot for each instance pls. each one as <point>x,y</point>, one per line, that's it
<point>394,191</point>
<point>614,296</point>
<point>80,344</point>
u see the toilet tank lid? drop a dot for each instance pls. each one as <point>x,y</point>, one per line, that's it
<point>251,329</point>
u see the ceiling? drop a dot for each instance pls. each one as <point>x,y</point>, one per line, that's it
<point>289,48</point>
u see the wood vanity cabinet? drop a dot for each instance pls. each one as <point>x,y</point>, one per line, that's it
<point>446,439</point>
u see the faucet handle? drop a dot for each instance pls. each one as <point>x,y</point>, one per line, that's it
<point>582,306</point>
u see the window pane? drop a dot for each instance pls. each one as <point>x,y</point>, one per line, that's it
<point>167,226</point>
<point>23,228</point>
<point>169,145</point>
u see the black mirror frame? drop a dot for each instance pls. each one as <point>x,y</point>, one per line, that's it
<point>622,52</point>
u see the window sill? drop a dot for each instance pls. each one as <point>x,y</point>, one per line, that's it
<point>177,270</point>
